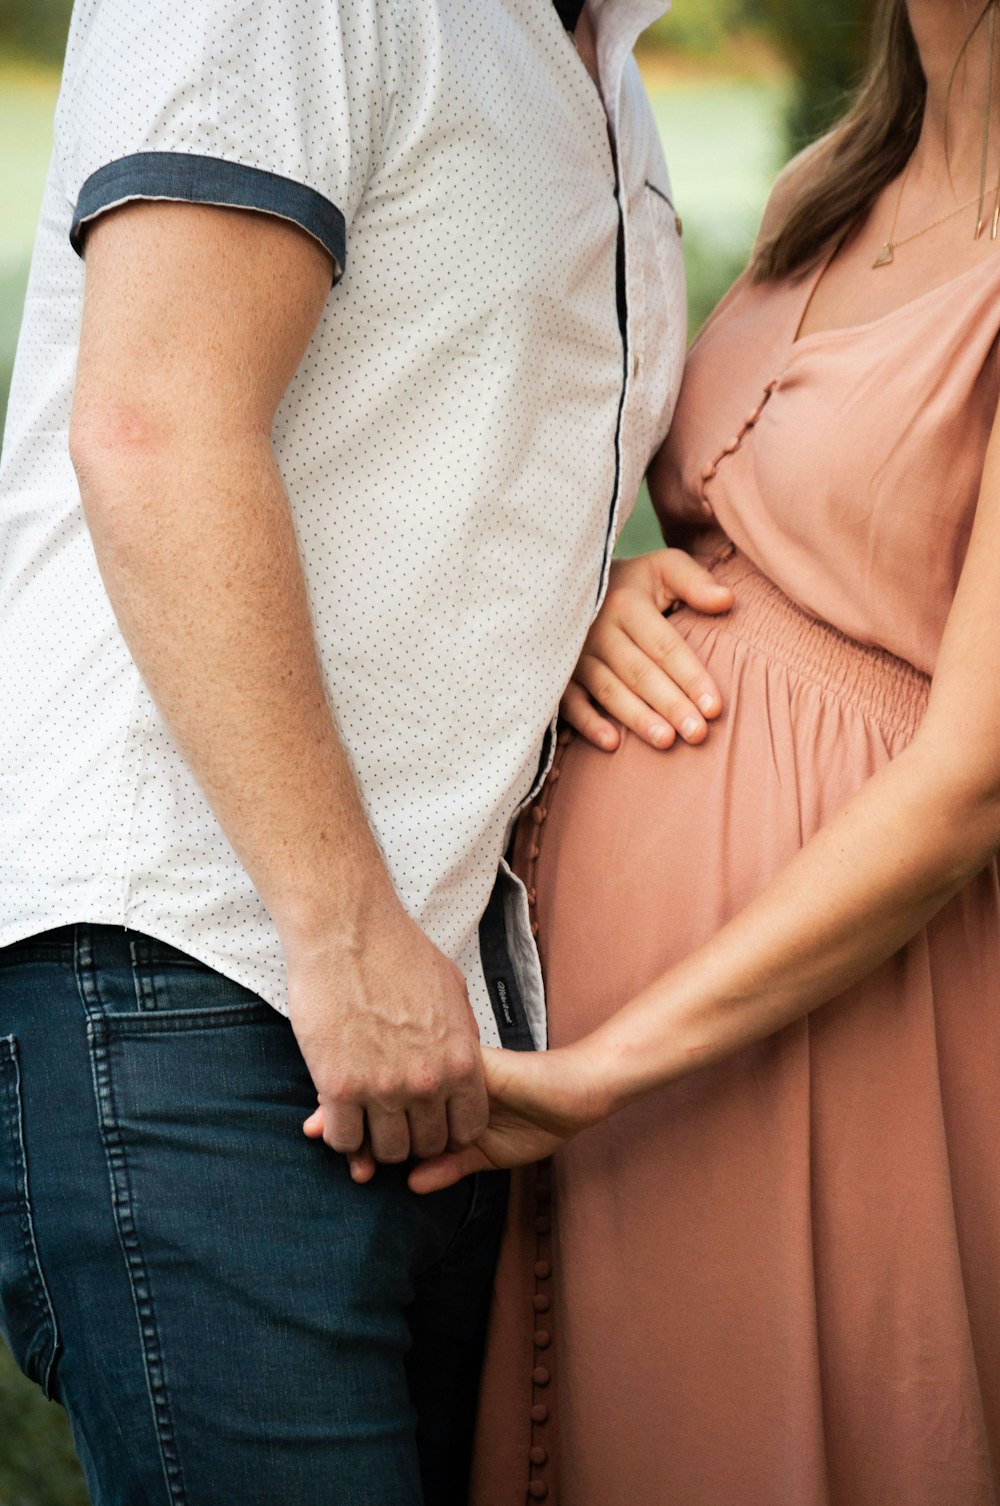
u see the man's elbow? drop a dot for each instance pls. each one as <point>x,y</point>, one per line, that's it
<point>115,449</point>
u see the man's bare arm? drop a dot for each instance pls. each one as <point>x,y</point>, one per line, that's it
<point>195,320</point>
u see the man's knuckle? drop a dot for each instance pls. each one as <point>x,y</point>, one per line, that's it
<point>389,1091</point>
<point>423,1084</point>
<point>464,1066</point>
<point>341,1087</point>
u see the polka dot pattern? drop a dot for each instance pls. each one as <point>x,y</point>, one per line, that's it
<point>459,445</point>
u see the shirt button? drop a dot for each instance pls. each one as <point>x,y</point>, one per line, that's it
<point>542,1270</point>
<point>539,1455</point>
<point>538,1490</point>
<point>540,1302</point>
<point>709,473</point>
<point>542,1338</point>
<point>543,1224</point>
<point>540,1375</point>
<point>539,1413</point>
<point>732,446</point>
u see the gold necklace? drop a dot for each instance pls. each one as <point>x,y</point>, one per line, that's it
<point>887,255</point>
<point>987,121</point>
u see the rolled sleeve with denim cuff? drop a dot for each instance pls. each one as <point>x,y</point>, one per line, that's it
<point>275,108</point>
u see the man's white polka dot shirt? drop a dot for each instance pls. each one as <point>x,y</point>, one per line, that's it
<point>496,363</point>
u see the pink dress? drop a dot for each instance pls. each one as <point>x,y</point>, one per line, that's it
<point>777,1282</point>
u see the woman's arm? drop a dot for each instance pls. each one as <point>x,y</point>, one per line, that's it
<point>855,893</point>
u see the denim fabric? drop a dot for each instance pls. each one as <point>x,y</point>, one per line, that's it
<point>187,177</point>
<point>226,1317</point>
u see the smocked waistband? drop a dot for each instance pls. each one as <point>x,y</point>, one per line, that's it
<point>884,688</point>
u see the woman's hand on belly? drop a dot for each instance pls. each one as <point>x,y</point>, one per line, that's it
<point>636,666</point>
<point>538,1102</point>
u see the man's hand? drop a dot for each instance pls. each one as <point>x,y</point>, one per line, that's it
<point>637,666</point>
<point>391,1043</point>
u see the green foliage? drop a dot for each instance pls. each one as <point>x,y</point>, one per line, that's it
<point>37,1463</point>
<point>11,299</point>
<point>700,27</point>
<point>824,42</point>
<point>34,29</point>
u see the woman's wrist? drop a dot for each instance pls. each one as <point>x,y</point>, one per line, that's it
<point>647,1045</point>
<point>604,1073</point>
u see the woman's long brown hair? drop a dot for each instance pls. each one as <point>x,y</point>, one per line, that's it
<point>870,147</point>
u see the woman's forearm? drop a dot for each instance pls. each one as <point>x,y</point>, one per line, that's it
<point>857,892</point>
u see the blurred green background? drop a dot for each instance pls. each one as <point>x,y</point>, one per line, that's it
<point>736,85</point>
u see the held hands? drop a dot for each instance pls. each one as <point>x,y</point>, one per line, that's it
<point>538,1102</point>
<point>637,666</point>
<point>391,1043</point>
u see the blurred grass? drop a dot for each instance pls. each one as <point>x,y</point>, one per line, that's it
<point>37,1463</point>
<point>27,101</point>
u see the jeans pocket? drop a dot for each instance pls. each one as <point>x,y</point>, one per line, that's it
<point>26,1314</point>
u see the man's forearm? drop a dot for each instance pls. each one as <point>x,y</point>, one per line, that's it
<point>196,320</point>
<point>198,554</point>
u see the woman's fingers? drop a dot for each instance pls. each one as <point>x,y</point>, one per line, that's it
<point>656,638</point>
<point>579,711</point>
<point>444,1171</point>
<point>603,681</point>
<point>682,578</point>
<point>636,667</point>
<point>637,672</point>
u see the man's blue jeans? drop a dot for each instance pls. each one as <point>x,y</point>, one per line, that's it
<point>226,1317</point>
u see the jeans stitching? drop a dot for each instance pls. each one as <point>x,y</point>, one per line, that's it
<point>145,993</point>
<point>128,1238</point>
<point>14,1129</point>
<point>173,1021</point>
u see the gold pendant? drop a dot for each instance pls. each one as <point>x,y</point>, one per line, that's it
<point>885,256</point>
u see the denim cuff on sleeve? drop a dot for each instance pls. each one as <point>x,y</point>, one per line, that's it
<point>193,179</point>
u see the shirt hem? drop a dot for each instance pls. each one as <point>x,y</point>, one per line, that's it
<point>97,915</point>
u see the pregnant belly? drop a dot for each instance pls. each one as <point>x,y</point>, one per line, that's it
<point>635,858</point>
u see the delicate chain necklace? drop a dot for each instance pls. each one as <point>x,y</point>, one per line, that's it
<point>887,255</point>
